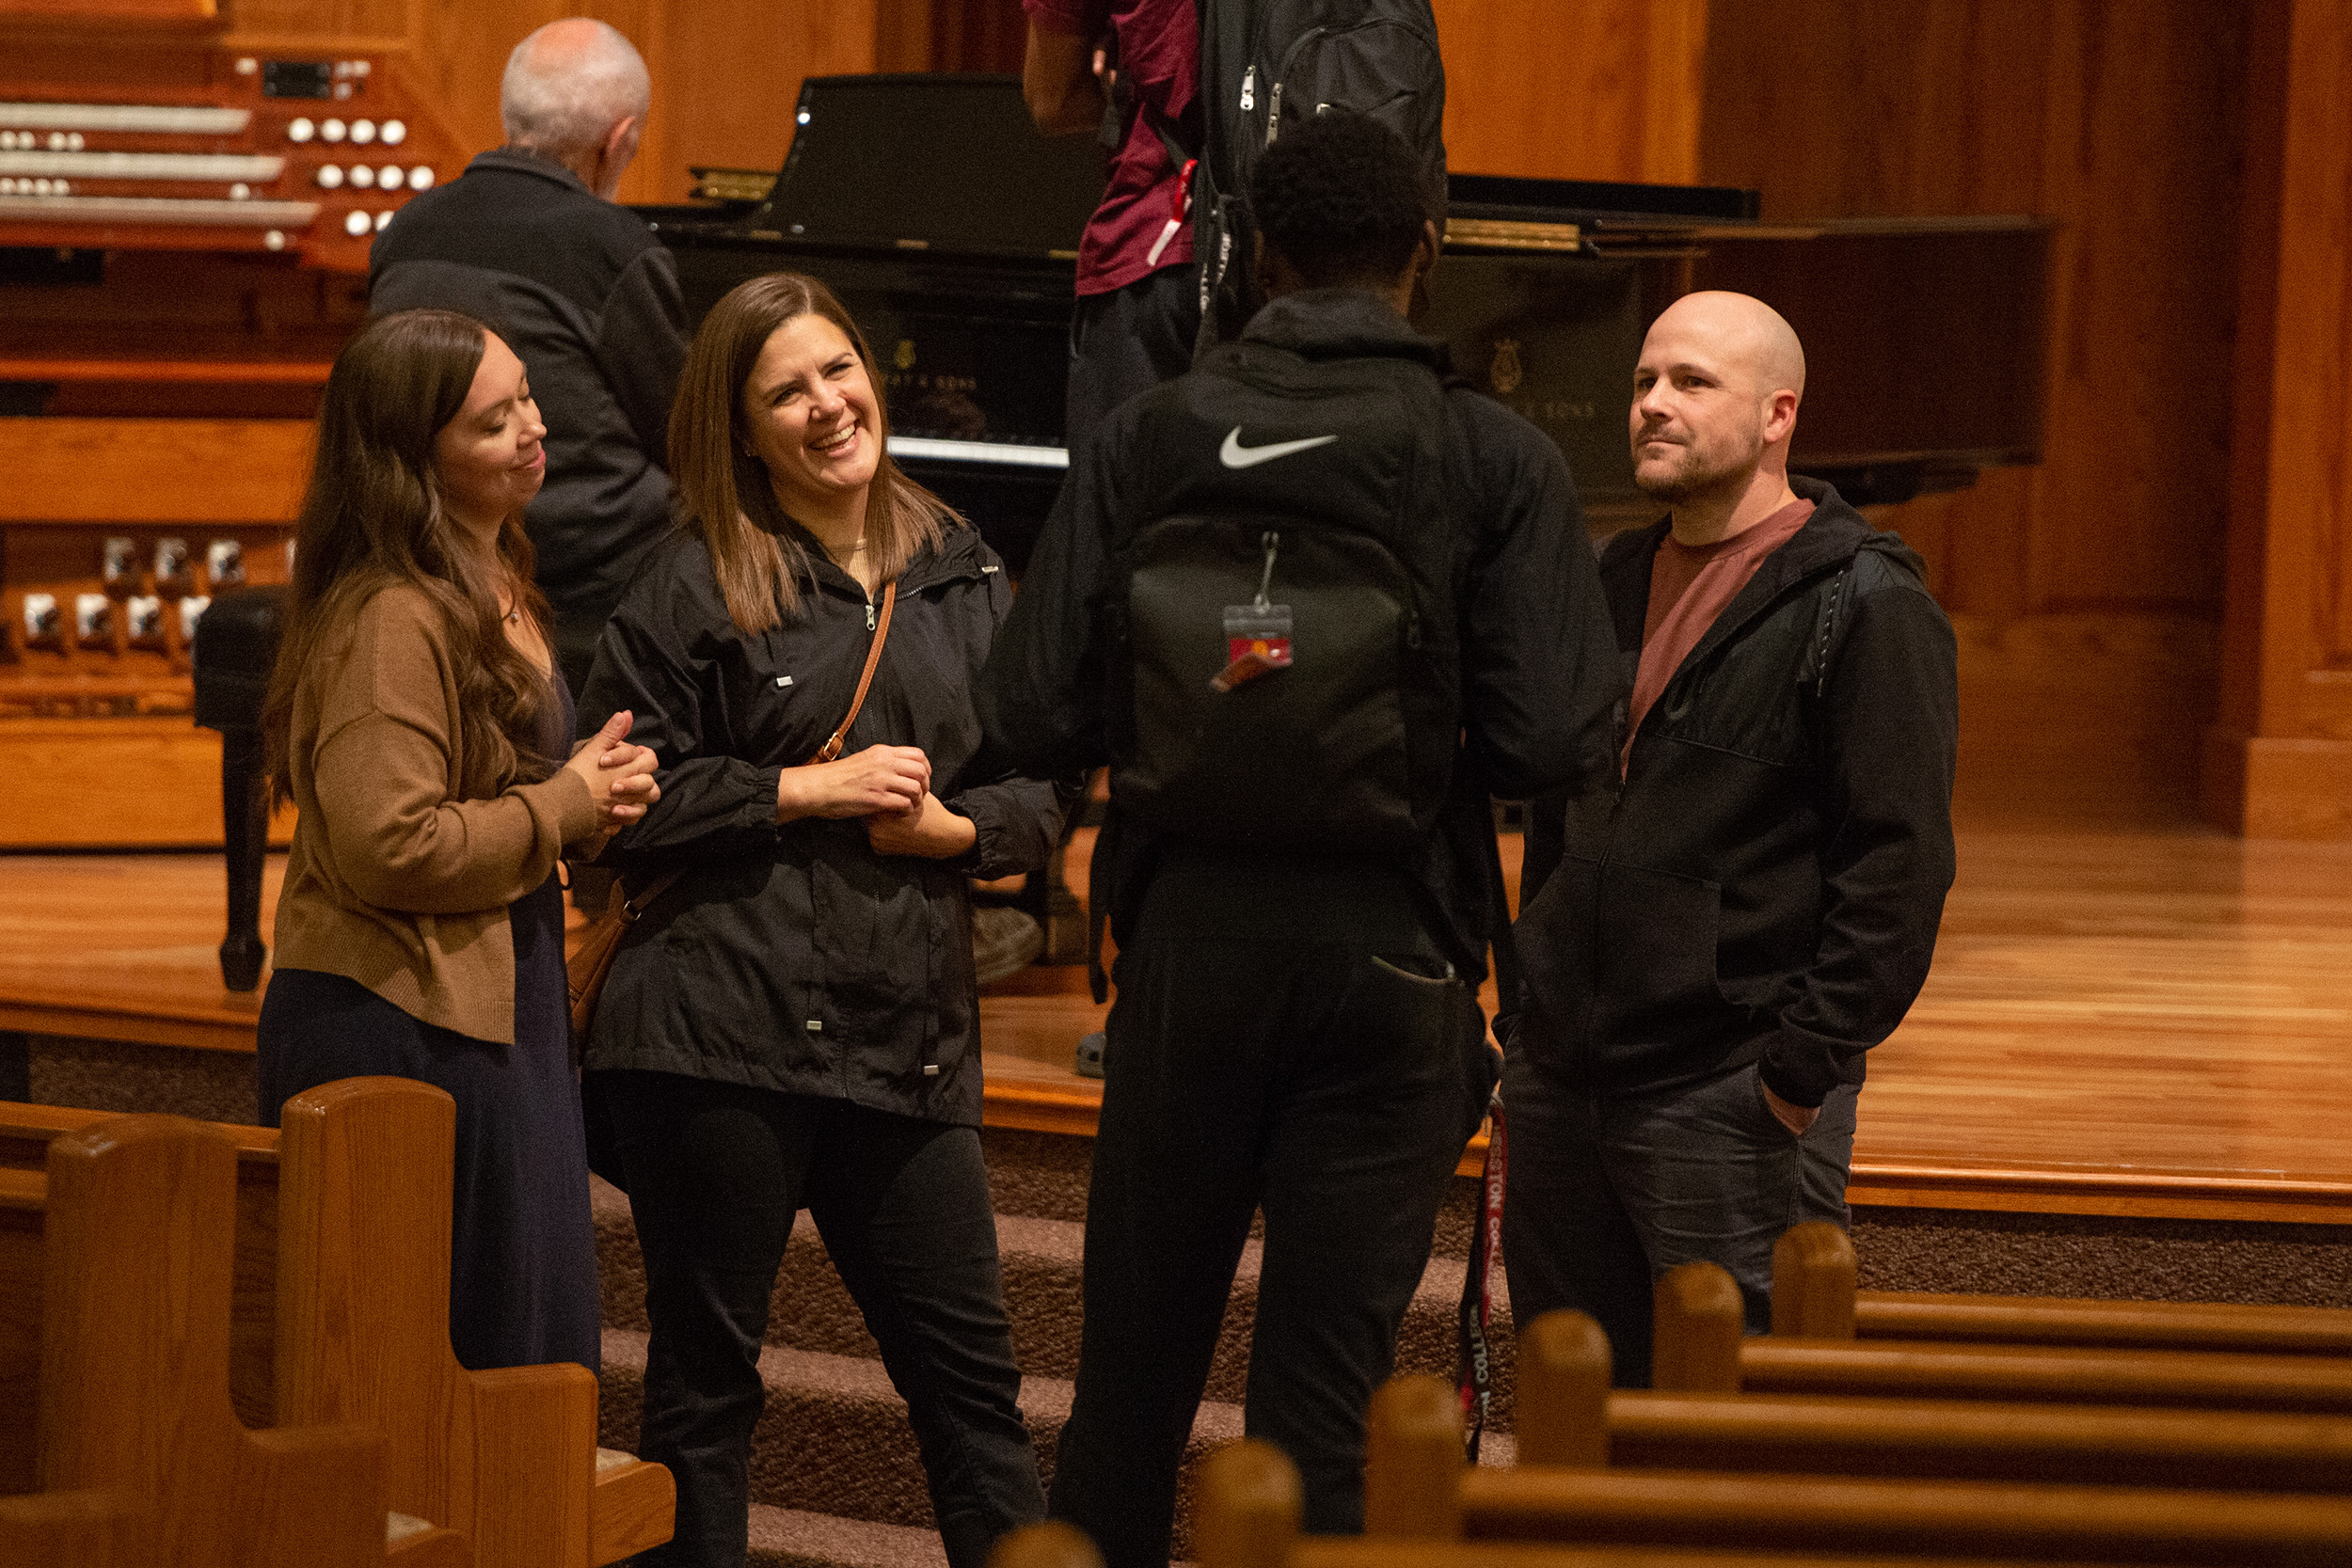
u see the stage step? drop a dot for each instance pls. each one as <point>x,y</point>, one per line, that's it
<point>793,1538</point>
<point>812,1312</point>
<point>833,1437</point>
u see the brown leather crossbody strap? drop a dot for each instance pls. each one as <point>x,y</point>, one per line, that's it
<point>832,748</point>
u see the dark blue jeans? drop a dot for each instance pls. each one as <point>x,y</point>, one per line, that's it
<point>1605,1195</point>
<point>1327,1075</point>
<point>715,1174</point>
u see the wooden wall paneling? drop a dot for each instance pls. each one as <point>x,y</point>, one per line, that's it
<point>320,24</point>
<point>733,74</point>
<point>978,35</point>
<point>903,34</point>
<point>1585,89</point>
<point>2088,588</point>
<point>2278,762</point>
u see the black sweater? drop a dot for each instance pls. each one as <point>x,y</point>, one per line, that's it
<point>795,958</point>
<point>1767,882</point>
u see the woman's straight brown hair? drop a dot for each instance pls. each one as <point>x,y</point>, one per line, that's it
<point>724,491</point>
<point>374,517</point>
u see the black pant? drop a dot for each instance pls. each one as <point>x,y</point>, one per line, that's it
<point>1323,1076</point>
<point>715,1174</point>
<point>1128,342</point>
<point>1606,1193</point>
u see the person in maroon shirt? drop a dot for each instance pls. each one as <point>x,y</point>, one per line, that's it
<point>1130,68</point>
<point>1711,946</point>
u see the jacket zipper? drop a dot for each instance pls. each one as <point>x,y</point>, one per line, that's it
<point>870,615</point>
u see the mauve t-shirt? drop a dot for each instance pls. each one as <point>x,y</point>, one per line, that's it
<point>1689,586</point>
<point>1159,57</point>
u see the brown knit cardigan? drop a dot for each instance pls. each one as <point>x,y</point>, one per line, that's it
<point>394,882</point>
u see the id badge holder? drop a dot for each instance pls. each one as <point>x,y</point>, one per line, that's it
<point>1257,635</point>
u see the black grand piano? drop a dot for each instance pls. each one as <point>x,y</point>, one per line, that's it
<point>949,229</point>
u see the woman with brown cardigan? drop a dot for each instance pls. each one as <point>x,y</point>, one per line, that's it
<point>416,720</point>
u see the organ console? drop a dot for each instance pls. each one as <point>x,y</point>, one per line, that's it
<point>184,227</point>
<point>308,158</point>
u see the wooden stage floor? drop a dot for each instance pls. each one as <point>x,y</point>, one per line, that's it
<point>2155,1022</point>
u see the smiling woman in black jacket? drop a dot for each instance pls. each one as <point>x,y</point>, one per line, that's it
<point>794,1020</point>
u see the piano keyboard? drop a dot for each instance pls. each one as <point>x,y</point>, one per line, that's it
<point>169,119</point>
<point>1003,453</point>
<point>214,167</point>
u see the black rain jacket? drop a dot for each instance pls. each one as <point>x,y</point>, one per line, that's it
<point>794,958</point>
<point>1538,673</point>
<point>1766,883</point>
<point>589,299</point>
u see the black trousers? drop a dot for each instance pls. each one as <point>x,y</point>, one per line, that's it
<point>715,1174</point>
<point>1330,1077</point>
<point>1128,342</point>
<point>1603,1195</point>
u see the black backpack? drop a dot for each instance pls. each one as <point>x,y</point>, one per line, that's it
<point>1284,663</point>
<point>1267,65</point>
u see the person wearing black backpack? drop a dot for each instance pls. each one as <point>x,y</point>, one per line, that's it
<point>1317,605</point>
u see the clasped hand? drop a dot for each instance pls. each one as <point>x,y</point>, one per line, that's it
<point>890,786</point>
<point>619,775</point>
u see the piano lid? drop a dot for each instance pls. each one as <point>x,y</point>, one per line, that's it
<point>930,163</point>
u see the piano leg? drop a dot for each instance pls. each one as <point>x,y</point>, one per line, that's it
<point>1045,897</point>
<point>245,816</point>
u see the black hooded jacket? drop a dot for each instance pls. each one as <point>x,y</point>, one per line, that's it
<point>1766,883</point>
<point>795,958</point>
<point>1538,672</point>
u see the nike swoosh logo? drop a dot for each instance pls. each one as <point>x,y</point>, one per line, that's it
<point>1234,455</point>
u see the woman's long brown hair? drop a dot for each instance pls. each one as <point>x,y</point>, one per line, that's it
<point>374,517</point>
<point>724,491</point>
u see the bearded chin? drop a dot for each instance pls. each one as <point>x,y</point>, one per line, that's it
<point>1685,481</point>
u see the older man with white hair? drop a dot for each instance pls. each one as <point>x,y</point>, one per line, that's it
<point>530,240</point>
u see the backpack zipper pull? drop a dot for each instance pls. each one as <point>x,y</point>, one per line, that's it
<point>1271,542</point>
<point>1249,88</point>
<point>1274,116</point>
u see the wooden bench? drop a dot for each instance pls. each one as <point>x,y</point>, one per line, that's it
<point>1814,1297</point>
<point>1247,1513</point>
<point>1567,1413</point>
<point>1418,1488</point>
<point>1699,1348</point>
<point>26,1133</point>
<point>508,1458</point>
<point>354,1256</point>
<point>137,1454</point>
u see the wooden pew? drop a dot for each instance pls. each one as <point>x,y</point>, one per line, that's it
<point>507,1457</point>
<point>76,1530</point>
<point>1418,1488</point>
<point>138,1455</point>
<point>628,1505</point>
<point>1814,1297</point>
<point>1699,1348</point>
<point>25,1134</point>
<point>1567,1415</point>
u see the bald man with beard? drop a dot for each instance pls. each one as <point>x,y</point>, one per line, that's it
<point>1713,945</point>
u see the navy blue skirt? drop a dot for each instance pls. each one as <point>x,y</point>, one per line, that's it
<point>523,1249</point>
